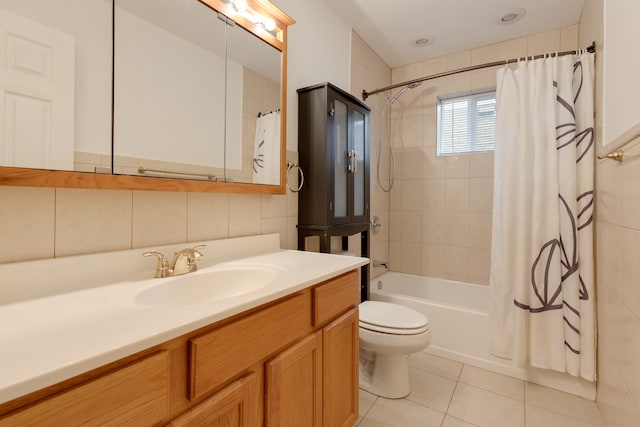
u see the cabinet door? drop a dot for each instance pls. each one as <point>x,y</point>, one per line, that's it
<point>340,371</point>
<point>233,406</point>
<point>359,164</point>
<point>294,385</point>
<point>341,149</point>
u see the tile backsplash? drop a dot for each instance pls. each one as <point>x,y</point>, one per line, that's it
<point>40,223</point>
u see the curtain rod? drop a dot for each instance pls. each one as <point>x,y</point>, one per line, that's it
<point>366,94</point>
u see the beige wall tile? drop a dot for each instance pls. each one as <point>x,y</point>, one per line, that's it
<point>481,165</point>
<point>569,37</point>
<point>90,221</point>
<point>244,214</point>
<point>459,60</point>
<point>412,195</point>
<point>435,65</point>
<point>208,216</point>
<point>479,265</point>
<point>630,270</point>
<point>433,260</point>
<point>408,126</point>
<point>292,233</point>
<point>159,218</point>
<point>412,164</point>
<point>512,49</point>
<point>412,227</point>
<point>456,263</point>
<point>395,225</point>
<point>480,230</point>
<point>430,134</point>
<point>27,224</point>
<point>395,255</point>
<point>456,229</point>
<point>411,257</point>
<point>485,54</point>
<point>458,83</point>
<point>544,43</point>
<point>276,225</point>
<point>629,195</point>
<point>274,205</point>
<point>456,166</point>
<point>456,195</point>
<point>481,195</point>
<point>433,165</point>
<point>483,79</point>
<point>433,195</point>
<point>433,228</point>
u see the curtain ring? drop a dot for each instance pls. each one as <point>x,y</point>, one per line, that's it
<point>291,165</point>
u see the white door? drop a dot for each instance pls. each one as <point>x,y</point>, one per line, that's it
<point>37,85</point>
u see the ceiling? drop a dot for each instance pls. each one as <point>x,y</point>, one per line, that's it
<point>452,26</point>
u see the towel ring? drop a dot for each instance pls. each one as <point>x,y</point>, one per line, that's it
<point>291,165</point>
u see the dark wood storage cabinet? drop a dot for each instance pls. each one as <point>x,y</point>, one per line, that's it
<point>333,145</point>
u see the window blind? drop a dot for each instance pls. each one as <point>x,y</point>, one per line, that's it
<point>466,124</point>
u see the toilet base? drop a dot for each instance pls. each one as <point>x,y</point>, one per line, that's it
<point>385,375</point>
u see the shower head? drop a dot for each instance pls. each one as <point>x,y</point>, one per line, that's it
<point>395,97</point>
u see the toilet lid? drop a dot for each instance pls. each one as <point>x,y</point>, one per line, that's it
<point>392,318</point>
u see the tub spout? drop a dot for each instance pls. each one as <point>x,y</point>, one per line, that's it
<point>380,264</point>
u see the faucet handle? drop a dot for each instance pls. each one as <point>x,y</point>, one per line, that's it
<point>162,268</point>
<point>196,253</point>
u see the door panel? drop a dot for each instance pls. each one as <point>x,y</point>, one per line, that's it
<point>37,84</point>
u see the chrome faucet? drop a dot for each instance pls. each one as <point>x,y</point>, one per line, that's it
<point>184,261</point>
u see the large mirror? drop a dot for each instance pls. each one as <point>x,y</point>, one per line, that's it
<point>196,97</point>
<point>56,84</point>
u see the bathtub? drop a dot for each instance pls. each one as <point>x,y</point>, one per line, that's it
<point>459,322</point>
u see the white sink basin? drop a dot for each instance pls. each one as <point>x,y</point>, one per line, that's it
<point>207,286</point>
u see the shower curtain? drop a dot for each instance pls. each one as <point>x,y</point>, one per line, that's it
<point>266,154</point>
<point>542,307</point>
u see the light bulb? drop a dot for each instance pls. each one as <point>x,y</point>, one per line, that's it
<point>239,5</point>
<point>269,24</point>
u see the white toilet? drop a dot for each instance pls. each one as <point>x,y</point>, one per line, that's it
<point>389,333</point>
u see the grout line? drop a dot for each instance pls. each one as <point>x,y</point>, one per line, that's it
<point>446,411</point>
<point>375,400</point>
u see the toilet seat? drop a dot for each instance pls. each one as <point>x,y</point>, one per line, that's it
<point>384,317</point>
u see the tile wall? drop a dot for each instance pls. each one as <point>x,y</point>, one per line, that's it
<point>47,222</point>
<point>369,71</point>
<point>617,254</point>
<point>441,207</point>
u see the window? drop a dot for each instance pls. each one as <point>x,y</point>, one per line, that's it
<point>466,124</point>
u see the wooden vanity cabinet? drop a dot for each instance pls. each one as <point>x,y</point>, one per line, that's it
<point>291,362</point>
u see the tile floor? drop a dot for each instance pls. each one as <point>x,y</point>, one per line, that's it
<point>445,393</point>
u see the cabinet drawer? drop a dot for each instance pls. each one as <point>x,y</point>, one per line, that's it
<point>218,356</point>
<point>335,297</point>
<point>135,395</point>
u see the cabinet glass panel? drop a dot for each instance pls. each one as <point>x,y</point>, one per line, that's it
<point>358,162</point>
<point>340,174</point>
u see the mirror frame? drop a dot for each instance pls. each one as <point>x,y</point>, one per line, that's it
<point>26,177</point>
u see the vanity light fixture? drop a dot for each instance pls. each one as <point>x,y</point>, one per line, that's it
<point>241,7</point>
<point>511,16</point>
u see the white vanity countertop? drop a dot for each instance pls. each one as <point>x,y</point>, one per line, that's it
<point>47,340</point>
